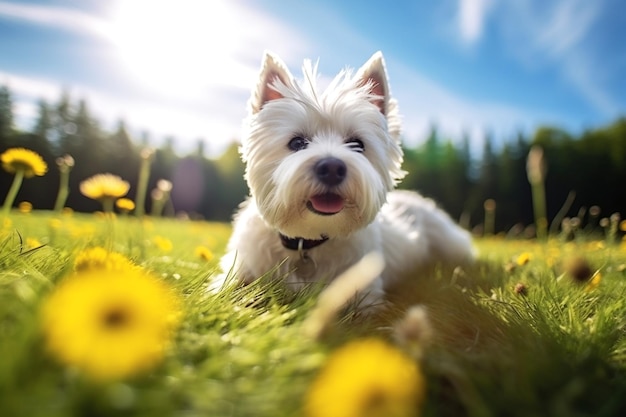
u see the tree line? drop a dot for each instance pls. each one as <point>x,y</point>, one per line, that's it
<point>583,171</point>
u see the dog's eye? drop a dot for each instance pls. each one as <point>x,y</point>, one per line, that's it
<point>356,144</point>
<point>298,143</point>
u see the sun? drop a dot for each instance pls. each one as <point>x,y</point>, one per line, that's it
<point>180,44</point>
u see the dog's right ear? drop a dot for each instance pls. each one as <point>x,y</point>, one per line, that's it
<point>374,73</point>
<point>273,69</point>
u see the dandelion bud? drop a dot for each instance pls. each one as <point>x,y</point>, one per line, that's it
<point>535,165</point>
<point>157,195</point>
<point>520,289</point>
<point>68,160</point>
<point>146,153</point>
<point>164,185</point>
<point>490,204</point>
<point>594,211</point>
<point>414,331</point>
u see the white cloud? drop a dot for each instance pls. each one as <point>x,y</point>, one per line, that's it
<point>559,34</point>
<point>471,18</point>
<point>424,103</point>
<point>216,120</point>
<point>207,97</point>
<point>65,18</point>
<point>189,64</point>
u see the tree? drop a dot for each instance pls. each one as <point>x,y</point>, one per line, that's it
<point>7,128</point>
<point>44,124</point>
<point>232,188</point>
<point>121,156</point>
<point>64,127</point>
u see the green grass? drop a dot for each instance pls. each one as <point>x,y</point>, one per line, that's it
<point>558,350</point>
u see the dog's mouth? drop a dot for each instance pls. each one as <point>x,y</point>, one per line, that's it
<point>325,204</point>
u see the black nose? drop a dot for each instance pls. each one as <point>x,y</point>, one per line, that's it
<point>330,171</point>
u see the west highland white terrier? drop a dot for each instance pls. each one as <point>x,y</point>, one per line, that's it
<point>321,167</point>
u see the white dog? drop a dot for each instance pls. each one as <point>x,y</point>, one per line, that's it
<point>321,167</point>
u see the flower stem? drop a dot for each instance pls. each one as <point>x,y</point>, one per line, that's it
<point>142,187</point>
<point>539,208</point>
<point>15,187</point>
<point>107,205</point>
<point>63,190</point>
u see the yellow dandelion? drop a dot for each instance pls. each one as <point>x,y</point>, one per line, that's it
<point>622,225</point>
<point>32,243</point>
<point>108,324</point>
<point>30,163</point>
<point>163,243</point>
<point>596,245</point>
<point>25,207</point>
<point>24,163</point>
<point>204,253</point>
<point>55,224</point>
<point>125,205</point>
<point>86,231</point>
<point>105,188</point>
<point>523,258</point>
<point>99,258</point>
<point>594,282</point>
<point>367,378</point>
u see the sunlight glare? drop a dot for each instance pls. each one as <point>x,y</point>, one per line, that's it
<point>181,45</point>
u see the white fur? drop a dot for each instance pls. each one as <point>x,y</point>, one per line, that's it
<point>409,230</point>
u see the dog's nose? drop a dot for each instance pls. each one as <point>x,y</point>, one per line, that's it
<point>330,171</point>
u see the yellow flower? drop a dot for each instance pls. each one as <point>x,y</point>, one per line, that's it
<point>20,159</point>
<point>523,258</point>
<point>594,282</point>
<point>109,324</point>
<point>24,163</point>
<point>204,253</point>
<point>366,378</point>
<point>104,186</point>
<point>125,205</point>
<point>596,245</point>
<point>163,243</point>
<point>32,243</point>
<point>99,258</point>
<point>25,207</point>
<point>55,224</point>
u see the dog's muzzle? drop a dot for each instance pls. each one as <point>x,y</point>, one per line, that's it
<point>330,171</point>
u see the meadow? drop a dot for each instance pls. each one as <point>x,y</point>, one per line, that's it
<point>533,329</point>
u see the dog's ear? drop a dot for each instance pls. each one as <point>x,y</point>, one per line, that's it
<point>273,68</point>
<point>373,72</point>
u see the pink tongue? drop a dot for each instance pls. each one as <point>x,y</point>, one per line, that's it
<point>328,203</point>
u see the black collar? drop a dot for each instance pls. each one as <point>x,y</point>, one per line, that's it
<point>298,243</point>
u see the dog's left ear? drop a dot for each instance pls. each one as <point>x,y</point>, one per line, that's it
<point>373,72</point>
<point>272,69</point>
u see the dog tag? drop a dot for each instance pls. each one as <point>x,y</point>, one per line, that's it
<point>305,267</point>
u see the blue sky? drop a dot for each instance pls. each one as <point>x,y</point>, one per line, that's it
<point>186,67</point>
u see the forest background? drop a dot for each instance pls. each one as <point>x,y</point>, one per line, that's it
<point>583,171</point>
